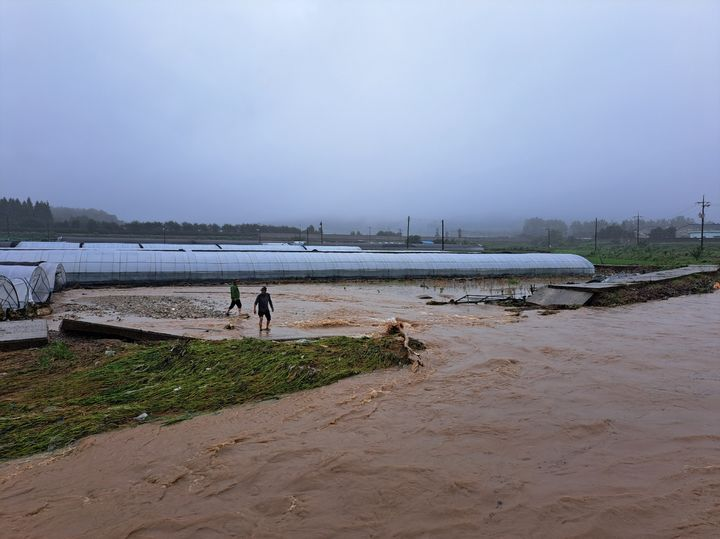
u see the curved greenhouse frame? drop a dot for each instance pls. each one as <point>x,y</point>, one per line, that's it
<point>22,289</point>
<point>55,272</point>
<point>36,279</point>
<point>8,295</point>
<point>96,266</point>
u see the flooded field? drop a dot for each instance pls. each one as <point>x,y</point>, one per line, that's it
<point>302,309</point>
<point>596,422</point>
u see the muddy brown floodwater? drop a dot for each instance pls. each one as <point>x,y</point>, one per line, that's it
<point>589,423</point>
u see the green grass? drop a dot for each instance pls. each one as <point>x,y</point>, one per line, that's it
<point>48,403</point>
<point>57,351</point>
<point>661,255</point>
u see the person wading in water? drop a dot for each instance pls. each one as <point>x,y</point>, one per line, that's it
<point>263,306</point>
<point>234,298</point>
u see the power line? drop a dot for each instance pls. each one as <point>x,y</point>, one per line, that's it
<point>702,205</point>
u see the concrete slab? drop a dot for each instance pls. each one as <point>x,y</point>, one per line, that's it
<point>19,334</point>
<point>665,275</point>
<point>548,297</point>
<point>115,331</point>
<point>639,278</point>
<point>589,287</point>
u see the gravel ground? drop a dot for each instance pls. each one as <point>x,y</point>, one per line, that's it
<point>148,307</point>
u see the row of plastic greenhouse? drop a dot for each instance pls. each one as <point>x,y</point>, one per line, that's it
<point>295,247</point>
<point>117,266</point>
<point>24,283</point>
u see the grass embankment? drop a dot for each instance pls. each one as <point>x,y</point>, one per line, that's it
<point>56,395</point>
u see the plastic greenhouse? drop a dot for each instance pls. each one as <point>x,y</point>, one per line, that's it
<point>22,290</point>
<point>299,246</point>
<point>47,245</point>
<point>115,266</point>
<point>8,295</point>
<point>56,275</point>
<point>36,281</point>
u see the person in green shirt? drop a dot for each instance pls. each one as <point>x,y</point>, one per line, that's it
<point>234,298</point>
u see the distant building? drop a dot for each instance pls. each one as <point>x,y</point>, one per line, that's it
<point>709,234</point>
<point>711,231</point>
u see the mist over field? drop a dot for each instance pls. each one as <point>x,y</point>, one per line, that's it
<point>362,113</point>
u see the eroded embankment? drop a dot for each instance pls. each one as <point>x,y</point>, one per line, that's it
<point>56,395</point>
<point>699,283</point>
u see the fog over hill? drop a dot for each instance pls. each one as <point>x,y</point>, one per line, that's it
<point>61,213</point>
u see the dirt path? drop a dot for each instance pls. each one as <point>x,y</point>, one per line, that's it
<point>596,422</point>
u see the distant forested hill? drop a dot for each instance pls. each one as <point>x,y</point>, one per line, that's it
<point>66,214</point>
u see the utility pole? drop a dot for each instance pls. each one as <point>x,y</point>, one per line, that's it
<point>548,233</point>
<point>321,233</point>
<point>307,235</point>
<point>443,234</point>
<point>637,231</point>
<point>369,234</point>
<point>702,205</point>
<point>596,223</point>
<point>407,238</point>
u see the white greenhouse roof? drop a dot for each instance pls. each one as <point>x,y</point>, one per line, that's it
<point>8,294</point>
<point>34,276</point>
<point>148,246</point>
<point>47,245</point>
<point>95,266</point>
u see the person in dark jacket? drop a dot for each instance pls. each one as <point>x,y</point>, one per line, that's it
<point>263,306</point>
<point>234,298</point>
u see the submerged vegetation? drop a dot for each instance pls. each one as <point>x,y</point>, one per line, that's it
<point>53,396</point>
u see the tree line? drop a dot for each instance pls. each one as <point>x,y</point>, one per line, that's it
<point>29,216</point>
<point>556,230</point>
<point>169,228</point>
<point>25,214</point>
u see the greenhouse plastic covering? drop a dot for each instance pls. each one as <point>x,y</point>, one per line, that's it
<point>22,290</point>
<point>92,245</point>
<point>8,295</point>
<point>55,274</point>
<point>47,245</point>
<point>180,247</point>
<point>39,288</point>
<point>96,266</point>
<point>295,246</point>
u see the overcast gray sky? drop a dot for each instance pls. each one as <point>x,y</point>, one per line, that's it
<point>359,110</point>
